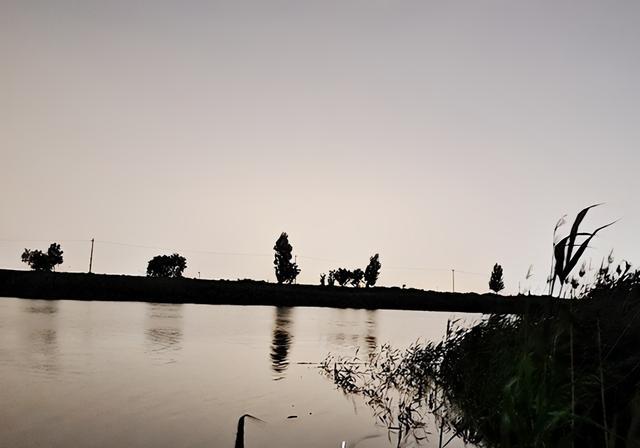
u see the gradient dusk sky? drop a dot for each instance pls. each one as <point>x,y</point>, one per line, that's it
<point>441,134</point>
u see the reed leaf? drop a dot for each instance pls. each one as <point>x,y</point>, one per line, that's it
<point>571,263</point>
<point>574,228</point>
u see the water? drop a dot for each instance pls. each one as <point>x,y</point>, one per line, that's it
<point>128,374</point>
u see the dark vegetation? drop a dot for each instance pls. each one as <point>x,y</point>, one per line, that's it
<point>80,286</point>
<point>286,270</point>
<point>43,261</point>
<point>565,259</point>
<point>496,283</point>
<point>356,276</point>
<point>170,266</point>
<point>567,375</point>
<point>372,271</point>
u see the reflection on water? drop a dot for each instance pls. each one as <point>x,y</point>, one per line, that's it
<point>281,341</point>
<point>43,337</point>
<point>181,375</point>
<point>164,330</point>
<point>42,306</point>
<point>370,333</point>
<point>353,330</point>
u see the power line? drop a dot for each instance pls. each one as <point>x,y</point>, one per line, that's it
<point>234,254</point>
<point>245,254</point>
<point>8,240</point>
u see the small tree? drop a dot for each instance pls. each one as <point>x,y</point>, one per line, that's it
<point>286,271</point>
<point>40,261</point>
<point>331,279</point>
<point>372,271</point>
<point>323,278</point>
<point>356,277</point>
<point>166,266</point>
<point>342,276</point>
<point>496,283</point>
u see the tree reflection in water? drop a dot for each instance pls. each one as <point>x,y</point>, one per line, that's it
<point>44,339</point>
<point>164,330</point>
<point>281,342</point>
<point>370,339</point>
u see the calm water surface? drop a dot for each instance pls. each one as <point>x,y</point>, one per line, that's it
<point>127,374</point>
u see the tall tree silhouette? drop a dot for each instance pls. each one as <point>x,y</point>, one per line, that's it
<point>40,261</point>
<point>372,271</point>
<point>286,270</point>
<point>496,283</point>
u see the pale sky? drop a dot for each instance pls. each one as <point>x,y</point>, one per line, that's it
<point>440,134</point>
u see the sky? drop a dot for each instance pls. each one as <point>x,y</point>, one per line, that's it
<point>441,134</point>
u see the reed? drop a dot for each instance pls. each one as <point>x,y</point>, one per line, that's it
<point>565,376</point>
<point>564,258</point>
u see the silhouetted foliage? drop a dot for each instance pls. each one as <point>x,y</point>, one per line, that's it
<point>565,260</point>
<point>496,282</point>
<point>323,278</point>
<point>356,277</point>
<point>372,271</point>
<point>331,279</point>
<point>40,261</point>
<point>286,270</point>
<point>346,276</point>
<point>166,266</point>
<point>342,276</point>
<point>561,377</point>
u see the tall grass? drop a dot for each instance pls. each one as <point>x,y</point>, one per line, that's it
<point>564,258</point>
<point>560,377</point>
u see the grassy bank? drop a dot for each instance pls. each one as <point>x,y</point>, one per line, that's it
<point>79,286</point>
<point>563,377</point>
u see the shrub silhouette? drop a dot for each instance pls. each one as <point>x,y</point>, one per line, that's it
<point>40,261</point>
<point>496,283</point>
<point>342,276</point>
<point>356,277</point>
<point>166,266</point>
<point>286,271</point>
<point>331,279</point>
<point>372,271</point>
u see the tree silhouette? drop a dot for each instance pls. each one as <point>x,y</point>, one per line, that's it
<point>496,283</point>
<point>372,271</point>
<point>166,266</point>
<point>40,261</point>
<point>286,271</point>
<point>323,278</point>
<point>331,278</point>
<point>356,277</point>
<point>342,276</point>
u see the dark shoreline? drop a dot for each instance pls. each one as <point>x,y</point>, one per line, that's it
<point>107,287</point>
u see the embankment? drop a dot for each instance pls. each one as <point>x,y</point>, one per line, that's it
<point>81,286</point>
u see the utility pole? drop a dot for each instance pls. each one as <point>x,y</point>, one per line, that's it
<point>91,257</point>
<point>453,280</point>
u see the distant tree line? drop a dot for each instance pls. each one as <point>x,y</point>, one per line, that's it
<point>286,270</point>
<point>354,277</point>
